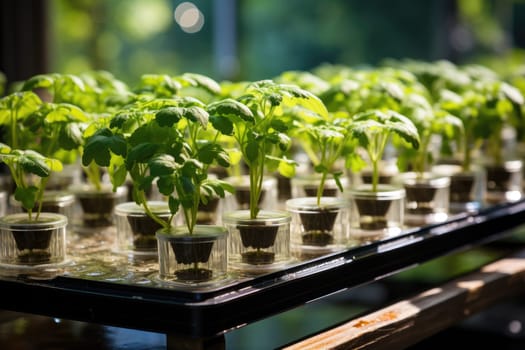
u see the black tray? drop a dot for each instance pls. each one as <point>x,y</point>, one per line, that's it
<point>108,289</point>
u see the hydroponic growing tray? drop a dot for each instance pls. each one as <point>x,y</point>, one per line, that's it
<point>107,288</point>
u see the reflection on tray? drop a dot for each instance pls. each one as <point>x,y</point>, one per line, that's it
<point>92,258</point>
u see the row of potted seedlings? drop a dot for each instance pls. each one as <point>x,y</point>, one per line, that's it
<point>156,156</point>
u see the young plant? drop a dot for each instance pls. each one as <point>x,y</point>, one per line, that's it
<point>373,130</point>
<point>76,103</point>
<point>261,135</point>
<point>15,109</point>
<point>356,91</point>
<point>323,141</point>
<point>60,88</point>
<point>231,91</point>
<point>57,130</point>
<point>485,109</point>
<point>158,141</point>
<point>107,92</point>
<point>30,171</point>
<point>188,176</point>
<point>185,85</point>
<point>430,123</point>
<point>51,129</point>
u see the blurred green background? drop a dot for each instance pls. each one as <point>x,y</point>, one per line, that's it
<point>251,39</point>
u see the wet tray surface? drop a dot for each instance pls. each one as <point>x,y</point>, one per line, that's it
<point>104,287</point>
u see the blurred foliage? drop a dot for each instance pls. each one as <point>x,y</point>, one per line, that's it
<point>127,37</point>
<point>298,34</point>
<point>134,37</point>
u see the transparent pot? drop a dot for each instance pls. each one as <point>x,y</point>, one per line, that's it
<point>376,214</point>
<point>70,175</point>
<point>258,245</point>
<point>94,209</point>
<point>318,229</point>
<point>388,170</point>
<point>426,199</point>
<point>504,181</point>
<point>4,202</point>
<point>467,188</point>
<point>136,230</point>
<point>240,200</point>
<point>60,202</point>
<point>307,186</point>
<point>192,260</point>
<point>36,246</point>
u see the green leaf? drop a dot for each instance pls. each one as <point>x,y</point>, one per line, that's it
<point>70,137</point>
<point>512,94</point>
<point>99,146</point>
<point>337,178</point>
<point>162,165</point>
<point>160,85</point>
<point>226,186</point>
<point>197,114</point>
<point>26,196</point>
<point>189,101</point>
<point>118,174</point>
<point>222,124</point>
<point>141,153</point>
<point>191,167</point>
<point>320,168</point>
<point>404,127</point>
<point>394,89</point>
<point>375,122</point>
<point>279,125</point>
<point>21,104</point>
<point>120,119</point>
<point>146,182</point>
<point>274,99</point>
<point>223,158</point>
<point>287,168</point>
<point>231,108</point>
<point>285,142</point>
<point>252,151</point>
<point>38,81</point>
<point>189,188</point>
<point>165,185</point>
<point>210,152</point>
<point>207,153</point>
<point>173,204</point>
<point>153,131</point>
<point>169,116</point>
<point>54,164</point>
<point>202,81</point>
<point>4,149</point>
<point>34,163</point>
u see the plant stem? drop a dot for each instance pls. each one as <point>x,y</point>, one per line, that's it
<point>40,195</point>
<point>321,187</point>
<point>93,173</point>
<point>422,156</point>
<point>14,138</point>
<point>143,200</point>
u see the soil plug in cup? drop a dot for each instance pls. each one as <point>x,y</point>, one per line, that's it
<point>427,191</point>
<point>378,209</point>
<point>157,141</point>
<point>320,223</point>
<point>260,239</point>
<point>33,239</point>
<point>488,108</point>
